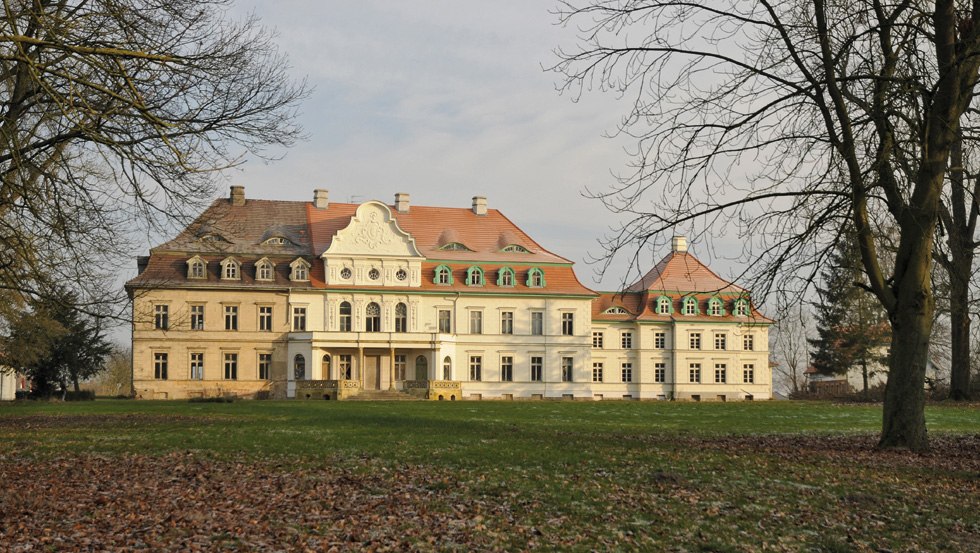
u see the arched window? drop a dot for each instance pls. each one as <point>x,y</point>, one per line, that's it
<point>742,308</point>
<point>616,311</point>
<point>325,367</point>
<point>447,368</point>
<point>664,305</point>
<point>515,248</point>
<point>299,367</point>
<point>229,269</point>
<point>300,270</point>
<point>716,307</point>
<point>690,306</point>
<point>535,278</point>
<point>455,247</point>
<point>345,316</point>
<point>474,276</point>
<point>421,368</point>
<point>444,275</point>
<point>264,270</point>
<point>505,276</point>
<point>372,317</point>
<point>196,268</point>
<point>401,318</point>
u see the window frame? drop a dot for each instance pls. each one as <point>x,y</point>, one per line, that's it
<point>230,365</point>
<point>476,368</point>
<point>626,339</point>
<point>721,373</point>
<point>537,323</point>
<point>535,278</point>
<point>476,321</point>
<point>660,373</point>
<point>475,276</point>
<point>567,369</point>
<point>373,323</point>
<point>231,316</point>
<point>443,275</point>
<point>690,306</point>
<point>694,341</point>
<point>446,328</point>
<point>195,367</point>
<point>299,318</point>
<point>265,319</point>
<point>660,340</point>
<point>161,364</point>
<point>626,374</point>
<point>197,318</point>
<point>597,369</point>
<point>345,321</point>
<point>506,277</point>
<point>598,339</point>
<point>748,373</point>
<point>694,373</point>
<point>507,368</point>
<point>507,322</point>
<point>567,323</point>
<point>401,317</point>
<point>721,341</point>
<point>161,316</point>
<point>537,368</point>
<point>662,302</point>
<point>264,365</point>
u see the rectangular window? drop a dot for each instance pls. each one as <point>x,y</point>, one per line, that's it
<point>694,373</point>
<point>265,365</point>
<point>567,365</point>
<point>537,323</point>
<point>506,368</point>
<point>720,373</point>
<point>476,368</point>
<point>197,317</point>
<point>476,322</point>
<point>660,340</point>
<point>344,367</point>
<point>748,374</point>
<point>401,365</point>
<point>161,317</point>
<point>231,366</point>
<point>596,372</point>
<point>597,340</point>
<point>160,366</point>
<point>695,340</point>
<point>721,341</point>
<point>197,365</point>
<point>231,317</point>
<point>506,322</point>
<point>299,319</point>
<point>660,372</point>
<point>265,318</point>
<point>445,321</point>
<point>627,372</point>
<point>626,340</point>
<point>568,324</point>
<point>537,366</point>
<point>748,342</point>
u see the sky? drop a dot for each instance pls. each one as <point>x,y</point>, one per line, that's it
<point>445,100</point>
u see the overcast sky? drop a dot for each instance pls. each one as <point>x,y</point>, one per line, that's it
<point>445,100</point>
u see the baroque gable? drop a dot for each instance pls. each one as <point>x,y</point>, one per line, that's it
<point>372,231</point>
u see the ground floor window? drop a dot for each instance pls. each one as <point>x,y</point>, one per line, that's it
<point>476,368</point>
<point>160,366</point>
<point>537,366</point>
<point>748,374</point>
<point>421,368</point>
<point>265,365</point>
<point>447,368</point>
<point>401,363</point>
<point>627,374</point>
<point>231,366</point>
<point>344,367</point>
<point>720,373</point>
<point>694,373</point>
<point>660,372</point>
<point>596,372</point>
<point>197,365</point>
<point>299,367</point>
<point>567,365</point>
<point>506,368</point>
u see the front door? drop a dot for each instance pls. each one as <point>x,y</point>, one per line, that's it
<point>372,372</point>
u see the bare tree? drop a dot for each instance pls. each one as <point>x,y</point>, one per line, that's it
<point>793,122</point>
<point>117,115</point>
<point>790,349</point>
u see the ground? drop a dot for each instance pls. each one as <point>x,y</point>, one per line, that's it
<point>288,476</point>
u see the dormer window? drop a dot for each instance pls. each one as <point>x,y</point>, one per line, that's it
<point>300,270</point>
<point>616,311</point>
<point>535,278</point>
<point>505,277</point>
<point>715,307</point>
<point>664,305</point>
<point>690,306</point>
<point>276,241</point>
<point>474,276</point>
<point>211,237</point>
<point>515,248</point>
<point>455,247</point>
<point>230,269</point>
<point>742,308</point>
<point>264,269</point>
<point>443,275</point>
<point>196,268</point>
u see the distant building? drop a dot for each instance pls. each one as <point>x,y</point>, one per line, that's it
<point>329,300</point>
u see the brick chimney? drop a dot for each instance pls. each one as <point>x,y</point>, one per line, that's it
<point>321,198</point>
<point>479,205</point>
<point>237,196</point>
<point>401,202</point>
<point>679,244</point>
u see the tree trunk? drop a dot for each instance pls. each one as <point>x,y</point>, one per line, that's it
<point>959,318</point>
<point>74,381</point>
<point>864,375</point>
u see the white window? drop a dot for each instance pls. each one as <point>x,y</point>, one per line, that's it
<point>372,317</point>
<point>567,365</point>
<point>748,374</point>
<point>627,374</point>
<point>742,308</point>
<point>660,340</point>
<point>265,318</point>
<point>663,305</point>
<point>476,322</point>
<point>506,322</point>
<point>160,361</point>
<point>401,317</point>
<point>231,366</point>
<point>660,372</point>
<point>345,316</point>
<point>476,368</point>
<point>721,373</point>
<point>690,306</point>
<point>506,368</point>
<point>721,341</point>
<point>161,317</point>
<point>401,365</point>
<point>626,340</point>
<point>748,342</point>
<point>231,317</point>
<point>197,317</point>
<point>444,275</point>
<point>596,372</point>
<point>505,277</point>
<point>196,268</point>
<point>597,340</point>
<point>537,323</point>
<point>535,278</point>
<point>299,319</point>
<point>694,373</point>
<point>264,270</point>
<point>229,269</point>
<point>537,366</point>
<point>445,321</point>
<point>695,340</point>
<point>197,365</point>
<point>567,324</point>
<point>301,270</point>
<point>714,307</point>
<point>345,366</point>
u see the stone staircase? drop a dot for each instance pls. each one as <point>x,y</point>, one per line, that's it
<point>382,395</point>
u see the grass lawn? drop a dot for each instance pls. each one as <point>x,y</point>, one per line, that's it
<point>266,475</point>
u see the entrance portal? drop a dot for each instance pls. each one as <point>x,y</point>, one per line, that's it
<point>372,372</point>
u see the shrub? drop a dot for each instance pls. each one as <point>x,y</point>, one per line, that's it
<point>82,395</point>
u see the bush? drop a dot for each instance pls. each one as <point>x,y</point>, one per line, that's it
<point>82,395</point>
<point>216,399</point>
<point>22,394</point>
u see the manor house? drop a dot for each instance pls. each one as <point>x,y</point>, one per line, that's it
<point>326,300</point>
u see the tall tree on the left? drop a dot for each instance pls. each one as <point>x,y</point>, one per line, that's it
<point>116,115</point>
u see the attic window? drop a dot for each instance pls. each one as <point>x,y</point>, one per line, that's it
<point>196,268</point>
<point>211,237</point>
<point>455,247</point>
<point>515,248</point>
<point>264,270</point>
<point>664,305</point>
<point>276,241</point>
<point>616,311</point>
<point>229,269</point>
<point>742,308</point>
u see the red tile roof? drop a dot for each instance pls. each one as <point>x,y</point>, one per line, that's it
<point>682,272</point>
